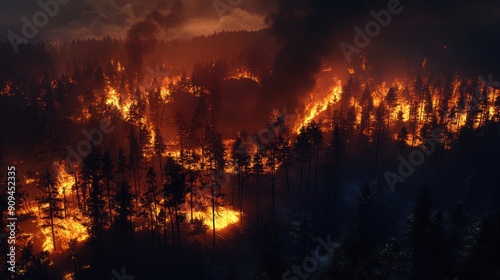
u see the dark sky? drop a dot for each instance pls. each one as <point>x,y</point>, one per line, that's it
<point>96,18</point>
<point>467,30</point>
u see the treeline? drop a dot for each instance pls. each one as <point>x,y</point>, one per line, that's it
<point>58,58</point>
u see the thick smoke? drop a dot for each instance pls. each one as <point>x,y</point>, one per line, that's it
<point>454,35</point>
<point>305,29</point>
<point>142,35</point>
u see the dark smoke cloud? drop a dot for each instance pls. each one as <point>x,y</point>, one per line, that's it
<point>142,35</point>
<point>305,29</point>
<point>83,19</point>
<point>453,34</point>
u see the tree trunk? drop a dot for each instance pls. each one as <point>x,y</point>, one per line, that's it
<point>109,203</point>
<point>315,173</point>
<point>257,199</point>
<point>285,165</point>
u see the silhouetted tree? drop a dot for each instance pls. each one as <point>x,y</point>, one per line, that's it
<point>93,177</point>
<point>107,172</point>
<point>175,189</point>
<point>51,205</point>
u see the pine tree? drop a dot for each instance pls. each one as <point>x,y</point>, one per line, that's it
<point>419,220</point>
<point>315,138</point>
<point>258,170</point>
<point>241,158</point>
<point>175,192</point>
<point>93,177</point>
<point>300,147</point>
<point>51,205</point>
<point>152,202</point>
<point>391,100</point>
<point>107,171</point>
<point>402,138</point>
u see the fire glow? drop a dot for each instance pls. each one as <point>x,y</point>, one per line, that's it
<point>72,226</point>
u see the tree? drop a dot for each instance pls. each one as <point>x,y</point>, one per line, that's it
<point>418,221</point>
<point>135,160</point>
<point>124,209</point>
<point>257,169</point>
<point>336,155</point>
<point>380,114</point>
<point>301,232</point>
<point>182,135</point>
<point>175,191</point>
<point>283,145</point>
<point>241,158</point>
<point>315,138</point>
<point>393,258</point>
<point>93,177</point>
<point>107,172</point>
<point>402,138</point>
<point>146,147</point>
<point>366,110</point>
<point>73,246</point>
<point>51,205</point>
<point>152,202</point>
<point>300,147</point>
<point>477,258</point>
<point>32,265</point>
<point>159,148</point>
<point>390,100</point>
<point>436,248</point>
<point>217,163</point>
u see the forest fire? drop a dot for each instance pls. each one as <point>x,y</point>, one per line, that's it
<point>316,106</point>
<point>223,217</point>
<point>241,130</point>
<point>71,225</point>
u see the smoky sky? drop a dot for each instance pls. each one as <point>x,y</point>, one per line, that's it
<point>98,18</point>
<point>450,34</point>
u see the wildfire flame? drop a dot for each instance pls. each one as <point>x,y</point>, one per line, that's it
<point>317,106</point>
<point>70,227</point>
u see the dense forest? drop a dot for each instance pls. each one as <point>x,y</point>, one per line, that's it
<point>176,165</point>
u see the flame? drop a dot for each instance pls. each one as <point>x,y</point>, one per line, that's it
<point>69,276</point>
<point>316,107</point>
<point>244,73</point>
<point>70,227</point>
<point>113,99</point>
<point>223,217</point>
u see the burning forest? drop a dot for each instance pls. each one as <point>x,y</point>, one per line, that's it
<point>250,140</point>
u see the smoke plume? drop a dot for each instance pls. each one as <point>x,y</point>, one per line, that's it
<point>142,35</point>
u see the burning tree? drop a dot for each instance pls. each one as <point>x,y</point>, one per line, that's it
<point>51,206</point>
